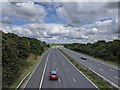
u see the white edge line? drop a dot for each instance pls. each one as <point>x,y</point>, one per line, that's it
<point>43,74</point>
<point>80,72</point>
<point>22,81</point>
<point>117,77</point>
<point>95,60</point>
<point>104,78</point>
<point>34,70</point>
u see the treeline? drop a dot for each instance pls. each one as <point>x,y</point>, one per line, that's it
<point>15,51</point>
<point>108,51</point>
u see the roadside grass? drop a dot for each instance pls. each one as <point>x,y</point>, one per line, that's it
<point>34,61</point>
<point>113,63</point>
<point>100,83</point>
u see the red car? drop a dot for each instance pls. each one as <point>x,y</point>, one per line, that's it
<point>53,75</point>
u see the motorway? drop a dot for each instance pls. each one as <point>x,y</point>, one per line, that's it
<point>69,76</point>
<point>108,72</point>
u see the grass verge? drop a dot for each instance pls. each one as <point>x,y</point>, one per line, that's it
<point>28,70</point>
<point>100,83</point>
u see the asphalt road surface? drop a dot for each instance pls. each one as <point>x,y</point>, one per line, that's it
<point>108,72</point>
<point>69,76</point>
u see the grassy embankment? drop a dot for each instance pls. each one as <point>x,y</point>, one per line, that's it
<point>20,56</point>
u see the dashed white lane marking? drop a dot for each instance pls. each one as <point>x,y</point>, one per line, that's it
<point>59,79</point>
<point>80,71</point>
<point>67,69</point>
<point>63,63</point>
<point>56,69</point>
<point>112,70</point>
<point>117,77</point>
<point>74,80</point>
<point>55,63</point>
<point>101,69</point>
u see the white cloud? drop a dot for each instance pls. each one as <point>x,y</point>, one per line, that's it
<point>6,20</point>
<point>25,10</point>
<point>79,14</point>
<point>60,34</point>
<point>88,12</point>
<point>104,23</point>
<point>62,0</point>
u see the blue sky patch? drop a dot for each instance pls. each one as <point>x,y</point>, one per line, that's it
<point>51,16</point>
<point>18,21</point>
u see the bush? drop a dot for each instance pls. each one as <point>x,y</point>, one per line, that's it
<point>15,51</point>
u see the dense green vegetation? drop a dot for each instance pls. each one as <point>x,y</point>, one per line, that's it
<point>108,51</point>
<point>54,44</point>
<point>15,53</point>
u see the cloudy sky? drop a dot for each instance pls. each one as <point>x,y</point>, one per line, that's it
<point>61,22</point>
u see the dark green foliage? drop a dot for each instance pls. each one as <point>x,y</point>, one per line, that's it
<point>108,51</point>
<point>15,51</point>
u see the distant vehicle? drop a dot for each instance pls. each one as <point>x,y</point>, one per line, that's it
<point>83,58</point>
<point>53,75</point>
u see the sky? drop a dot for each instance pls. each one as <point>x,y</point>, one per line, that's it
<point>61,22</point>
